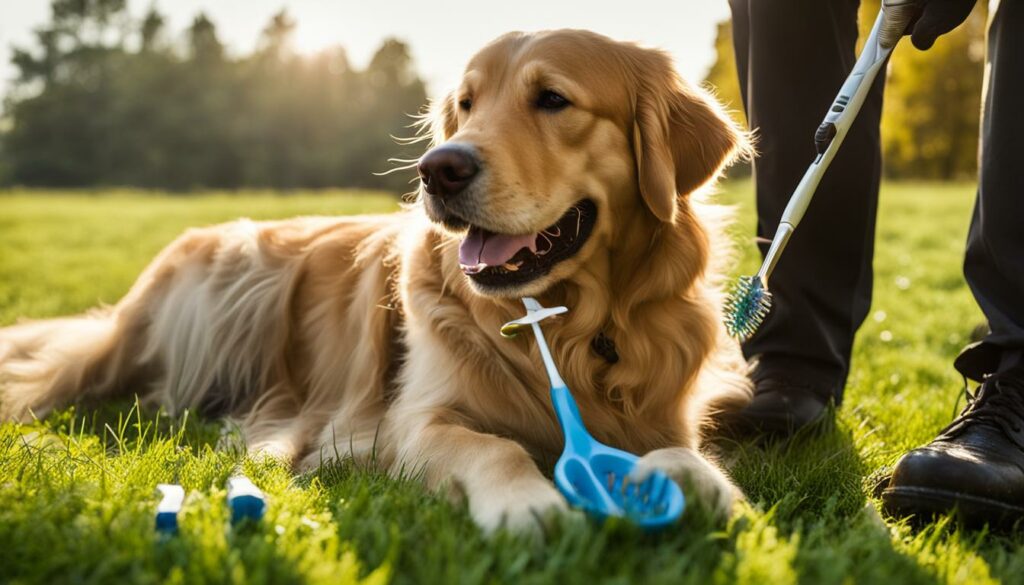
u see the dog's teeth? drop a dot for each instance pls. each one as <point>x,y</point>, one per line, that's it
<point>472,269</point>
<point>510,267</point>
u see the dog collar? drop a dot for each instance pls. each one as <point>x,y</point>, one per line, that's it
<point>604,346</point>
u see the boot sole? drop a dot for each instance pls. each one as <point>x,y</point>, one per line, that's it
<point>927,503</point>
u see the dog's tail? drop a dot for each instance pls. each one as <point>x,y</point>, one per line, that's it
<point>49,363</point>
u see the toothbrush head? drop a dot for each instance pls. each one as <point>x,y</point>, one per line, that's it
<point>534,314</point>
<point>747,306</point>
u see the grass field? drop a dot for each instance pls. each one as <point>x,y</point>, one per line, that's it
<point>76,490</point>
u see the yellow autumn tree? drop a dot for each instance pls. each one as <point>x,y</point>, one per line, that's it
<point>722,78</point>
<point>932,102</point>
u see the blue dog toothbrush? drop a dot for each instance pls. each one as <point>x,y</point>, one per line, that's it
<point>750,301</point>
<point>591,475</point>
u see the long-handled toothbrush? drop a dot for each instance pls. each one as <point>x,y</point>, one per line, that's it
<point>750,301</point>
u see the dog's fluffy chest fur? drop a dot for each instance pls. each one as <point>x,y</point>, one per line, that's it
<point>395,310</point>
<point>637,404</point>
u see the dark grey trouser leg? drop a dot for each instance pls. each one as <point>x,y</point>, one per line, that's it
<point>994,263</point>
<point>792,56</point>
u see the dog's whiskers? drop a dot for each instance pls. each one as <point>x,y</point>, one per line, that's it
<point>405,167</point>
<point>409,140</point>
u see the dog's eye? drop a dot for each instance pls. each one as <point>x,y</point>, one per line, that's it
<point>466,104</point>
<point>550,100</point>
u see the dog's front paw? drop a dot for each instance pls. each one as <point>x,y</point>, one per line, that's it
<point>521,508</point>
<point>703,483</point>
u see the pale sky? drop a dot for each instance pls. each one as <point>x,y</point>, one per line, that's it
<point>443,34</point>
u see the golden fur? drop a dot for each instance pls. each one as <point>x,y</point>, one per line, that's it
<point>332,337</point>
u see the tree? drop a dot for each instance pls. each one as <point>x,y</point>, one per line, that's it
<point>203,44</point>
<point>151,30</point>
<point>62,134</point>
<point>392,88</point>
<point>932,102</point>
<point>91,108</point>
<point>276,39</point>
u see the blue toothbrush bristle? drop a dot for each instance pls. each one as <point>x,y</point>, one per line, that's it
<point>747,306</point>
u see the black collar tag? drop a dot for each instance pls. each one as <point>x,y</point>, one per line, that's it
<point>604,346</point>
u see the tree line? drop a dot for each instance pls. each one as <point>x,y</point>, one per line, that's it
<point>105,98</point>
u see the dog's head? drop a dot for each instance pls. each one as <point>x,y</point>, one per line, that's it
<point>555,138</point>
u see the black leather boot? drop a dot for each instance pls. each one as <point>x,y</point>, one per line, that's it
<point>779,408</point>
<point>976,464</point>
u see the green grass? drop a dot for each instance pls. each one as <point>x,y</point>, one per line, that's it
<point>76,490</point>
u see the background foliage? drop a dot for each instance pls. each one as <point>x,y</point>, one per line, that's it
<point>932,98</point>
<point>105,98</point>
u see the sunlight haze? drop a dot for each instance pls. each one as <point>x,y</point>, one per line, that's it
<point>442,34</point>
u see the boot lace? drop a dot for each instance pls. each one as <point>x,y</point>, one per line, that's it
<point>997,404</point>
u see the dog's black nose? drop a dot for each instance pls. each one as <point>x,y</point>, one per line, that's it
<point>447,170</point>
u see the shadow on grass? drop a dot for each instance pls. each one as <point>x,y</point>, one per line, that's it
<point>815,489</point>
<point>126,424</point>
<point>817,471</point>
<point>429,539</point>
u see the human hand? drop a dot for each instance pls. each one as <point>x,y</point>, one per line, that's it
<point>937,18</point>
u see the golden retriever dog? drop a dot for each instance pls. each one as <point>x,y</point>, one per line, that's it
<point>568,167</point>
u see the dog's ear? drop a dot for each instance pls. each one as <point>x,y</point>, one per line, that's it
<point>442,121</point>
<point>682,137</point>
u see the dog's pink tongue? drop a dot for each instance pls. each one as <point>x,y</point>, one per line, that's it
<point>480,247</point>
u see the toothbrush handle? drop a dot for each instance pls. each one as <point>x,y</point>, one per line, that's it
<point>576,436</point>
<point>843,111</point>
<point>895,15</point>
<point>545,354</point>
<point>577,439</point>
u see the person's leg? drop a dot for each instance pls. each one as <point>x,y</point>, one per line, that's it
<point>977,463</point>
<point>792,57</point>
<point>994,262</point>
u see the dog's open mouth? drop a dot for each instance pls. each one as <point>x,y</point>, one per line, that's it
<point>498,260</point>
